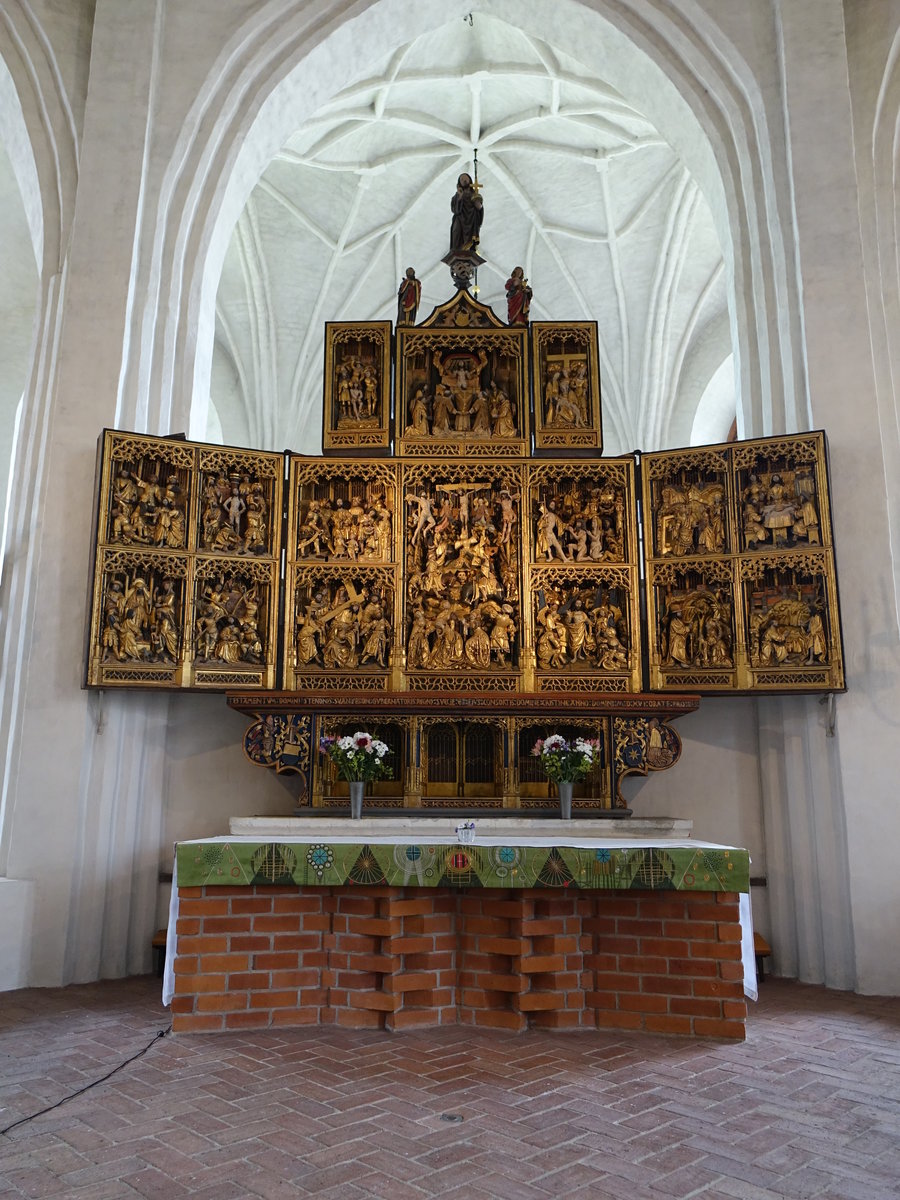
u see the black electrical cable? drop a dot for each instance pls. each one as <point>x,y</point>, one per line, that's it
<point>160,1033</point>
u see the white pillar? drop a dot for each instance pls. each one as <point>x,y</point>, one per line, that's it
<point>83,795</point>
<point>823,793</point>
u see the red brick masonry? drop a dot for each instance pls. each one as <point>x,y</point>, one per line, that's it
<point>397,957</point>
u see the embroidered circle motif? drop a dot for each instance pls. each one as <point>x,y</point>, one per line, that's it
<point>319,857</point>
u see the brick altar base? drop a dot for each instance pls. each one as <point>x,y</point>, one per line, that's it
<point>395,958</point>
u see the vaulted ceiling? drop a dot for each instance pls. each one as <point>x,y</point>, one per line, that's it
<point>579,188</point>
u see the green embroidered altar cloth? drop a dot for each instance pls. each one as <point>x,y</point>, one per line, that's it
<point>596,863</point>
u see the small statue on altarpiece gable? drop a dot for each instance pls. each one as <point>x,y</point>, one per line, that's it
<point>408,297</point>
<point>518,297</point>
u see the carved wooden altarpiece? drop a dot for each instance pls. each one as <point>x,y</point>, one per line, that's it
<point>476,590</point>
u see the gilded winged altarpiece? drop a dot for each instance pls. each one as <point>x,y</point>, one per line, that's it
<point>456,593</point>
<point>186,573</point>
<point>741,583</point>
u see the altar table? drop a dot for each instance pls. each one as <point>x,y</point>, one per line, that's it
<point>557,930</point>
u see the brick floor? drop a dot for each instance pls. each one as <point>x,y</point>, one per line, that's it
<point>808,1106</point>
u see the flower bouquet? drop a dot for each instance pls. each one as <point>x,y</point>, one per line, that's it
<point>565,763</point>
<point>358,757</point>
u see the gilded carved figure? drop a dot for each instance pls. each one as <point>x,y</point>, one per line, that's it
<point>467,207</point>
<point>408,297</point>
<point>518,297</point>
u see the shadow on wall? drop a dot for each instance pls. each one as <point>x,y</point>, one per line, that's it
<point>208,777</point>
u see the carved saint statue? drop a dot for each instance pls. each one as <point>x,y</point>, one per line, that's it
<point>408,298</point>
<point>518,298</point>
<point>467,207</point>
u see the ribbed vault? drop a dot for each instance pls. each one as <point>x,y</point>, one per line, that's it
<point>580,188</point>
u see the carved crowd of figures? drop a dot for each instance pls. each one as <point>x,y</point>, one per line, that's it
<point>581,525</point>
<point>780,509</point>
<point>463,403</point>
<point>233,517</point>
<point>789,633</point>
<point>140,620</point>
<point>462,577</point>
<point>227,623</point>
<point>697,629</point>
<point>148,511</point>
<point>356,530</point>
<point>776,510</point>
<point>357,392</point>
<point>565,391</point>
<point>342,628</point>
<point>690,519</point>
<point>581,626</point>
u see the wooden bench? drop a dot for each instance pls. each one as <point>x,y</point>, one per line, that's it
<point>762,950</point>
<point>159,951</point>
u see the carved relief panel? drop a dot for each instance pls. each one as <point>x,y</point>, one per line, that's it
<point>339,628</point>
<point>138,619</point>
<point>566,386</point>
<point>356,410</point>
<point>583,625</point>
<point>688,506</point>
<point>342,511</point>
<point>237,510</point>
<point>341,593</point>
<point>462,616</point>
<point>741,586</point>
<point>148,493</point>
<point>169,514</point>
<point>461,385</point>
<point>235,607</point>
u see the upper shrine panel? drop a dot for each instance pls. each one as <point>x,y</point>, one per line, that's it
<point>465,385</point>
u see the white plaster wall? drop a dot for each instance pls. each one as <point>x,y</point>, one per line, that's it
<point>208,777</point>
<point>715,784</point>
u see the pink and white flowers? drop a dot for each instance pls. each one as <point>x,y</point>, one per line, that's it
<point>566,762</point>
<point>359,756</point>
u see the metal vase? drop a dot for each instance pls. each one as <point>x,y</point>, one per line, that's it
<point>357,791</point>
<point>565,787</point>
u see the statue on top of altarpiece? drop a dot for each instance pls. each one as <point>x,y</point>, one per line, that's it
<point>518,297</point>
<point>408,297</point>
<point>467,207</point>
